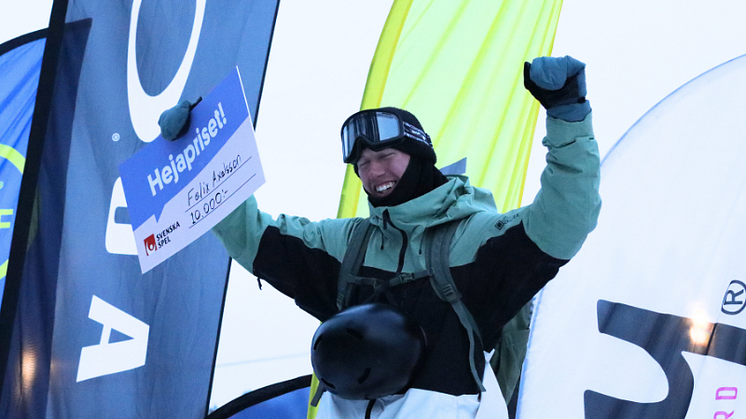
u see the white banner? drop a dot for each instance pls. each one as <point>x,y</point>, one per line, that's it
<point>646,322</point>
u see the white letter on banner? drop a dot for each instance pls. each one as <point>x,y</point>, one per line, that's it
<point>145,109</point>
<point>119,237</point>
<point>110,358</point>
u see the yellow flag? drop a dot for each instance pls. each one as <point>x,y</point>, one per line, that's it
<point>458,66</point>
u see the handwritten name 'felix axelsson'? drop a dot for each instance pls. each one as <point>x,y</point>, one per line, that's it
<point>183,161</point>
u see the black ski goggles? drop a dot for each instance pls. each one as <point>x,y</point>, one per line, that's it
<point>378,130</point>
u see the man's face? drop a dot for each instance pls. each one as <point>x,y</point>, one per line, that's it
<point>380,171</point>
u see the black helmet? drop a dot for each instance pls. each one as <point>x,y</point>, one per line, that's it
<point>367,351</point>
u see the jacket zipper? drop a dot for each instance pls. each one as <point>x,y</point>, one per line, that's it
<point>404,238</point>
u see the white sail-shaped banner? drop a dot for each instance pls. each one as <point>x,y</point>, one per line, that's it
<point>648,320</point>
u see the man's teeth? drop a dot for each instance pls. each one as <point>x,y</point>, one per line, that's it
<point>384,187</point>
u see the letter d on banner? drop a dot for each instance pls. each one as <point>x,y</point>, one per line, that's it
<point>109,358</point>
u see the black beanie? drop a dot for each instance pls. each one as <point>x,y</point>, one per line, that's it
<point>414,148</point>
<point>421,175</point>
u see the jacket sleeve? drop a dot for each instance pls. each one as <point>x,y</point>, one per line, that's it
<point>567,206</point>
<point>299,257</point>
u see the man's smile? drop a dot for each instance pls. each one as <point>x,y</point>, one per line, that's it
<point>385,187</point>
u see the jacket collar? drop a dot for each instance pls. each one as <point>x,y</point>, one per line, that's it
<point>454,200</point>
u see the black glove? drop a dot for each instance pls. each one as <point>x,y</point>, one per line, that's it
<point>174,121</point>
<point>559,85</point>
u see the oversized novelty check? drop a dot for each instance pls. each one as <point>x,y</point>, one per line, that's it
<point>178,190</point>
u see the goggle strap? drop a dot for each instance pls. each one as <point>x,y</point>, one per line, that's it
<point>415,133</point>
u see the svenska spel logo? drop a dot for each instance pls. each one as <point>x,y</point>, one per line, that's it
<point>155,241</point>
<point>150,245</point>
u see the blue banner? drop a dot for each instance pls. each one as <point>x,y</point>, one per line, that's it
<point>286,400</point>
<point>104,339</point>
<point>20,64</point>
<point>34,257</point>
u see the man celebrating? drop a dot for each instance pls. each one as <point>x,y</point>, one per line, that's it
<point>486,265</point>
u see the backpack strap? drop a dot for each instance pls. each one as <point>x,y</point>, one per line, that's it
<point>438,244</point>
<point>353,259</point>
<point>437,258</point>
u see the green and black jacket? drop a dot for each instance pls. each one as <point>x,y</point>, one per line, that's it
<point>498,261</point>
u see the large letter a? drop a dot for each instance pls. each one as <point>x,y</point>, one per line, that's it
<point>109,358</point>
